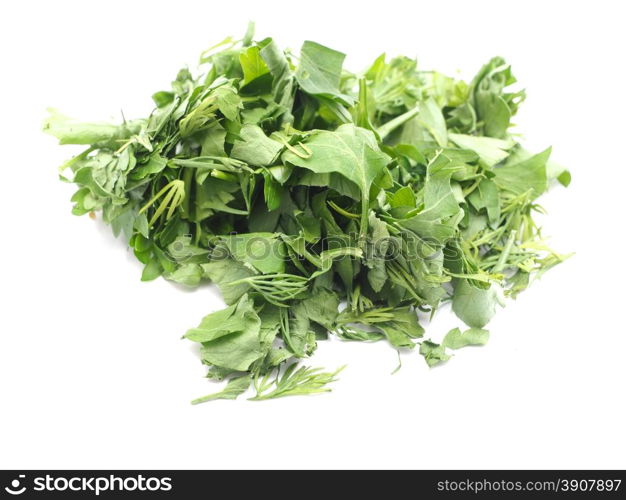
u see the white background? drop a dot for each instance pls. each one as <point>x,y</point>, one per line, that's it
<point>92,369</point>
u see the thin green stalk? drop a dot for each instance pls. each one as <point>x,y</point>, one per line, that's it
<point>505,253</point>
<point>385,129</point>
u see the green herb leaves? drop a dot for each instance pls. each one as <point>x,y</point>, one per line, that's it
<point>321,202</point>
<point>350,151</point>
<point>230,337</point>
<point>473,305</point>
<point>319,72</point>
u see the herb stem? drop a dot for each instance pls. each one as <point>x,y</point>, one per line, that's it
<point>505,252</point>
<point>384,130</point>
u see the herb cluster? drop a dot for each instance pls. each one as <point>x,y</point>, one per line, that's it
<point>321,202</point>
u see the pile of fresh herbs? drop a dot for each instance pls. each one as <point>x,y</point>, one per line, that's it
<point>321,202</point>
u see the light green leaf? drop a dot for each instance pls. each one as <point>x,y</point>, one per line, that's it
<point>283,84</point>
<point>70,131</point>
<point>234,388</point>
<point>403,328</point>
<point>187,274</point>
<point>350,151</point>
<point>154,165</point>
<point>433,353</point>
<point>252,64</point>
<point>319,72</point>
<point>454,339</point>
<point>321,307</point>
<point>255,147</point>
<point>490,150</point>
<point>439,199</point>
<point>264,251</point>
<point>431,117</point>
<point>376,252</point>
<point>403,197</point>
<point>487,196</point>
<point>520,176</point>
<point>474,306</point>
<point>223,322</point>
<point>228,101</point>
<point>223,271</point>
<point>230,337</point>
